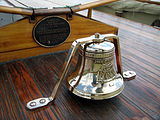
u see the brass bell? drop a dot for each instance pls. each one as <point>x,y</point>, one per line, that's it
<point>96,76</point>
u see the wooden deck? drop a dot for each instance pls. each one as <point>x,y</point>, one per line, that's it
<point>27,79</point>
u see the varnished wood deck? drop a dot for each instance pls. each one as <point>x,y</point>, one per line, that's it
<point>23,80</point>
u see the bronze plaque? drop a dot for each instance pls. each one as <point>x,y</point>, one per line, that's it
<point>51,31</point>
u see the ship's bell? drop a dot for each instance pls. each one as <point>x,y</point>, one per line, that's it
<point>96,77</point>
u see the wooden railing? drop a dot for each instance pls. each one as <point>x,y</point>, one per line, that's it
<point>25,11</point>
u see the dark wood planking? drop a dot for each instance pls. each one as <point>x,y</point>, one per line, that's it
<point>91,107</point>
<point>35,77</point>
<point>9,104</point>
<point>27,89</point>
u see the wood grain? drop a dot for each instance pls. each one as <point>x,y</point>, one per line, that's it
<point>5,9</point>
<point>16,39</point>
<point>26,79</point>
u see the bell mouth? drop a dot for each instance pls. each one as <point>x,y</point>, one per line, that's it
<point>100,91</point>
